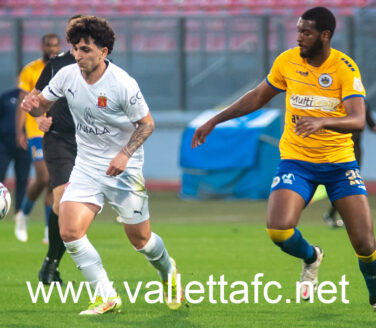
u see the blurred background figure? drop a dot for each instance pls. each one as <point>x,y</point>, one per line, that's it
<point>29,136</point>
<point>9,150</point>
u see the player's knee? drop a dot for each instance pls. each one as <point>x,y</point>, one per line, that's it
<point>153,249</point>
<point>67,234</point>
<point>364,247</point>
<point>140,238</point>
<point>139,242</point>
<point>279,236</point>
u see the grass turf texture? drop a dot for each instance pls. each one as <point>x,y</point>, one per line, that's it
<point>205,238</point>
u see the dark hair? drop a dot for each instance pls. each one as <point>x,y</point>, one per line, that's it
<point>323,18</point>
<point>90,26</point>
<point>50,36</point>
<point>75,17</point>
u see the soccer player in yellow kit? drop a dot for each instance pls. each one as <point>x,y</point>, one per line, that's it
<point>30,137</point>
<point>324,103</point>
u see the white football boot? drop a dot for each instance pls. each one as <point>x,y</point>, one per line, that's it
<point>310,274</point>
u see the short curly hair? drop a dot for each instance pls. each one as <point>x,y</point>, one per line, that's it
<point>90,26</point>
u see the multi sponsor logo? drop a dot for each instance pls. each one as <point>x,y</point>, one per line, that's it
<point>304,102</point>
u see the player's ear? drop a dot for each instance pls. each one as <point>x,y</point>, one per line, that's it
<point>325,35</point>
<point>104,51</point>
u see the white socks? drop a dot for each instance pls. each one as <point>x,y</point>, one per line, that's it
<point>89,262</point>
<point>157,255</point>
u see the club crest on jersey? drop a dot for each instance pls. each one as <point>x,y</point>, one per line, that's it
<point>102,101</point>
<point>325,80</point>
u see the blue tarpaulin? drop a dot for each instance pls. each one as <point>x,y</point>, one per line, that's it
<point>238,159</point>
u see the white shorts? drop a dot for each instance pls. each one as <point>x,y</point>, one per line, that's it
<point>126,193</point>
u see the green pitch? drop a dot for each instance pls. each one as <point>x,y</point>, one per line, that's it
<point>205,238</point>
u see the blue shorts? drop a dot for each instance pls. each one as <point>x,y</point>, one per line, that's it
<point>35,149</point>
<point>339,179</point>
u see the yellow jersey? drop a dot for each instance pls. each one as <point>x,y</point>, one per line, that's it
<point>27,81</point>
<point>318,92</point>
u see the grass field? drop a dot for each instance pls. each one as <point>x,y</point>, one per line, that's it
<point>206,238</point>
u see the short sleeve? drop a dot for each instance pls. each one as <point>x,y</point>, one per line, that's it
<point>351,81</point>
<point>45,77</point>
<point>275,77</point>
<point>25,80</point>
<point>134,104</point>
<point>54,89</point>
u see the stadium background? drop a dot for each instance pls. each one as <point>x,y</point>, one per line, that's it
<point>191,55</point>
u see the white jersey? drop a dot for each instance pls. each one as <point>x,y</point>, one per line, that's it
<point>104,113</point>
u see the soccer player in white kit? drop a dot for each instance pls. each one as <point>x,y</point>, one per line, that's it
<point>112,122</point>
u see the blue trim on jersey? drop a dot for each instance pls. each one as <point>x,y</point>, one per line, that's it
<point>353,96</point>
<point>275,88</point>
<point>50,90</point>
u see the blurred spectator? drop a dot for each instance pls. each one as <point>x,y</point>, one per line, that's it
<point>9,151</point>
<point>29,136</point>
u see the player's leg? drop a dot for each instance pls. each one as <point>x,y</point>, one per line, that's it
<point>48,202</point>
<point>133,211</point>
<point>284,209</point>
<point>59,154</point>
<point>56,249</point>
<point>75,219</point>
<point>347,191</point>
<point>358,221</point>
<point>290,194</point>
<point>151,245</point>
<point>81,201</point>
<point>5,158</point>
<point>22,163</point>
<point>33,190</point>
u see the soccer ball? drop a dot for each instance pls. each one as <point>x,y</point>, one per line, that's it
<point>4,201</point>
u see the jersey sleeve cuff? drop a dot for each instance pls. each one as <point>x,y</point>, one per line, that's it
<point>274,87</point>
<point>49,94</point>
<point>353,96</point>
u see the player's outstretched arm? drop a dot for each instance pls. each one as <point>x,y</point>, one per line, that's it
<point>144,128</point>
<point>353,121</point>
<point>246,104</point>
<point>35,104</point>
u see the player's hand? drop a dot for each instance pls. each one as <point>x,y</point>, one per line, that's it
<point>29,102</point>
<point>117,165</point>
<point>44,123</point>
<point>308,125</point>
<point>201,133</point>
<point>22,141</point>
<point>374,129</point>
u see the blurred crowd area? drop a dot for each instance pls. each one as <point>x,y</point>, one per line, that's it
<point>170,7</point>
